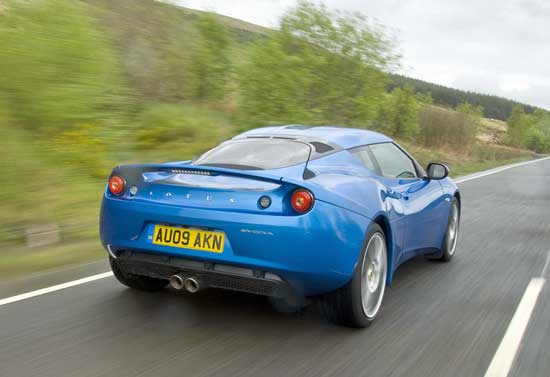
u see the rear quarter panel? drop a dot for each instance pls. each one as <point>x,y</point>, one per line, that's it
<point>347,183</point>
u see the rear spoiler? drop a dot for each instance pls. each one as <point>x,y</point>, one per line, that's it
<point>134,172</point>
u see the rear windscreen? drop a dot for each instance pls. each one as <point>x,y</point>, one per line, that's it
<point>256,154</point>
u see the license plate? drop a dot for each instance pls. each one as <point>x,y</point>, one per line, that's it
<point>188,238</point>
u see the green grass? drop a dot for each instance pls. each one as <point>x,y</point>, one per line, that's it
<point>482,157</point>
<point>459,170</point>
<point>20,261</point>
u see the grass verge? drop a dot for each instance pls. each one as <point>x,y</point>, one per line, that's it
<point>20,261</point>
<point>474,167</point>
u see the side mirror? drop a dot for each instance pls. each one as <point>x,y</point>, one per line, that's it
<point>437,170</point>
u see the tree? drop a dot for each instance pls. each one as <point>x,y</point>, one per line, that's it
<point>424,99</point>
<point>211,63</point>
<point>536,140</point>
<point>469,121</point>
<point>321,67</point>
<point>399,113</point>
<point>57,69</point>
<point>538,136</point>
<point>518,126</point>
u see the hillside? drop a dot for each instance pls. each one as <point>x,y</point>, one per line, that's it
<point>494,107</point>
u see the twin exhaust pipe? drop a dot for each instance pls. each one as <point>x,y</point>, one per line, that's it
<point>190,284</point>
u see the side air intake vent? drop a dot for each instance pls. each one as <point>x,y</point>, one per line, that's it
<point>321,147</point>
<point>308,174</point>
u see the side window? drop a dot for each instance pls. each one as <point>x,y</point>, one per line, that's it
<point>393,162</point>
<point>364,156</point>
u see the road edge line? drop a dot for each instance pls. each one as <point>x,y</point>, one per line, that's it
<point>498,170</point>
<point>54,288</point>
<point>546,264</point>
<point>506,353</point>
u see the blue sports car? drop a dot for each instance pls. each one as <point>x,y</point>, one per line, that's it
<point>287,212</point>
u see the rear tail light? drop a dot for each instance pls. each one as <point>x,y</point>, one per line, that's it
<point>116,185</point>
<point>301,200</point>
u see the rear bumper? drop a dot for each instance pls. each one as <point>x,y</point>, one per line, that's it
<point>210,274</point>
<point>313,253</point>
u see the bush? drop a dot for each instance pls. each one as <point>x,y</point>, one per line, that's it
<point>455,129</point>
<point>529,130</point>
<point>536,140</point>
<point>468,120</point>
<point>482,153</point>
<point>399,113</point>
<point>162,123</point>
<point>83,147</point>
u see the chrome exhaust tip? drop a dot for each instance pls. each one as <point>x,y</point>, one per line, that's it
<point>177,282</point>
<point>192,285</point>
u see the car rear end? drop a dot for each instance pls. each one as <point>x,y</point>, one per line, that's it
<point>245,230</point>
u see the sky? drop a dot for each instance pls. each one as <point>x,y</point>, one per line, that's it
<point>499,47</point>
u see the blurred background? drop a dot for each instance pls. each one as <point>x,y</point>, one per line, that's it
<point>86,85</point>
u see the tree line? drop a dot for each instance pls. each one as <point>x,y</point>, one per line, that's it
<point>493,106</point>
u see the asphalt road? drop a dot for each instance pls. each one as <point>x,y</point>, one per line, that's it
<point>437,319</point>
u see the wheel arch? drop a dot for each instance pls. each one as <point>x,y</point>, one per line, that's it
<point>457,196</point>
<point>383,222</point>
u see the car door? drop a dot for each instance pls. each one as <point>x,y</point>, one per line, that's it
<point>393,205</point>
<point>421,198</point>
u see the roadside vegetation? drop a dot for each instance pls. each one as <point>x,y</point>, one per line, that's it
<point>89,84</point>
<point>530,131</point>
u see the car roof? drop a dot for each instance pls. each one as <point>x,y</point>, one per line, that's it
<point>341,136</point>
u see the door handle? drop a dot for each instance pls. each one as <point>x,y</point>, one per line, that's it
<point>391,194</point>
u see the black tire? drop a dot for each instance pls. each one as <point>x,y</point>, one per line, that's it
<point>142,283</point>
<point>448,247</point>
<point>345,306</point>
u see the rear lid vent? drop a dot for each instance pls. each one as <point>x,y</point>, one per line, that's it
<point>298,127</point>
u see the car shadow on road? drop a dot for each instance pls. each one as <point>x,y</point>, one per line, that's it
<point>213,305</point>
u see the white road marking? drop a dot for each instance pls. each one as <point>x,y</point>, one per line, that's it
<point>54,288</point>
<point>545,268</point>
<point>506,353</point>
<point>89,279</point>
<point>498,170</point>
<point>508,348</point>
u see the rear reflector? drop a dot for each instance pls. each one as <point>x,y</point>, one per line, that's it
<point>116,185</point>
<point>301,200</point>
